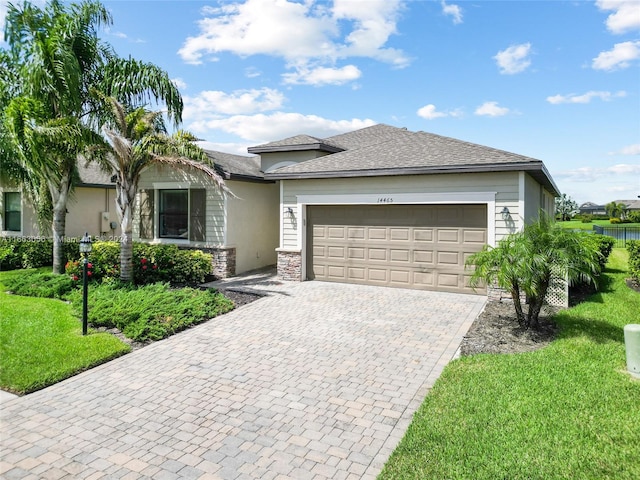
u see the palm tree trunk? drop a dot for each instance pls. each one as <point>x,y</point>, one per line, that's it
<point>124,206</point>
<point>536,304</point>
<point>59,196</point>
<point>517,303</point>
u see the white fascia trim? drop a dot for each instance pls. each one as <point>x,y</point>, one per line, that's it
<point>281,243</point>
<point>396,198</point>
<point>521,195</point>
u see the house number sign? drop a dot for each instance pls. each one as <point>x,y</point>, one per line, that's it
<point>385,200</point>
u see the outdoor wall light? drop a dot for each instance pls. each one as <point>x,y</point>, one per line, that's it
<point>85,250</point>
<point>505,213</point>
<point>290,211</point>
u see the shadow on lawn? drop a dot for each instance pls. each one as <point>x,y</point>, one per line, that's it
<point>597,331</point>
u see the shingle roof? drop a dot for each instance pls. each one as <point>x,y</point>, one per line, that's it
<point>231,165</point>
<point>298,142</point>
<point>385,150</point>
<point>92,175</point>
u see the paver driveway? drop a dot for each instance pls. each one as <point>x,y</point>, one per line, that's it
<point>316,381</point>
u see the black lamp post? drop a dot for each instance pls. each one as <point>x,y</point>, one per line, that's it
<point>85,250</point>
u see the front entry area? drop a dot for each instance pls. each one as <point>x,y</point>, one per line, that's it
<point>408,246</point>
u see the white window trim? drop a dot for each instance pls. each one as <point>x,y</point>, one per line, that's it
<point>157,186</point>
<point>487,198</point>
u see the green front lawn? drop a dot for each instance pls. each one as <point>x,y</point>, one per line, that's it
<point>578,225</point>
<point>41,342</point>
<point>567,411</point>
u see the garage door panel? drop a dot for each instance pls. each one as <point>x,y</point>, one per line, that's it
<point>378,254</point>
<point>400,278</point>
<point>423,256</point>
<point>400,255</point>
<point>448,258</point>
<point>399,234</point>
<point>355,233</point>
<point>336,272</point>
<point>377,274</point>
<point>336,232</point>
<point>474,236</point>
<point>377,233</point>
<point>409,246</point>
<point>448,236</point>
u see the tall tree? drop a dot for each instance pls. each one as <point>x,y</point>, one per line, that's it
<point>566,207</point>
<point>59,61</point>
<point>615,210</point>
<point>138,138</point>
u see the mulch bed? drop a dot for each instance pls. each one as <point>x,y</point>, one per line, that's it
<point>496,330</point>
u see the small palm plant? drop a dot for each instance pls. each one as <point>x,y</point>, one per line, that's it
<point>526,263</point>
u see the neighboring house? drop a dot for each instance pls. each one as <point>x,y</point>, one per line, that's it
<point>183,207</point>
<point>589,208</point>
<point>390,207</point>
<point>632,205</point>
<point>91,208</point>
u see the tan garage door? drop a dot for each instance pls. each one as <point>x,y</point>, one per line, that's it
<point>408,246</point>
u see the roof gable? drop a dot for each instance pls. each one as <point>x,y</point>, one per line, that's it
<point>386,150</point>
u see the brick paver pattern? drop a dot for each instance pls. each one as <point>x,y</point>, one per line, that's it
<point>317,381</point>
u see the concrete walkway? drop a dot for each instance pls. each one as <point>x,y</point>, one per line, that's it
<point>315,381</point>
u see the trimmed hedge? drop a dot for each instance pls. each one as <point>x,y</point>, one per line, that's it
<point>31,252</point>
<point>633,246</point>
<point>151,263</point>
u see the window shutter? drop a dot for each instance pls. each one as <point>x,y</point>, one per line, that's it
<point>146,214</point>
<point>197,208</point>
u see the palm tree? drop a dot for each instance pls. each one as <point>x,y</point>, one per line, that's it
<point>526,263</point>
<point>58,60</point>
<point>138,139</point>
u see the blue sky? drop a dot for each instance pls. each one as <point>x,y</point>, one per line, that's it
<point>555,80</point>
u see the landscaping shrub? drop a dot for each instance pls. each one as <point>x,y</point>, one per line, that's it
<point>614,221</point>
<point>151,264</point>
<point>34,284</point>
<point>604,244</point>
<point>633,246</point>
<point>634,217</point>
<point>31,252</point>
<point>587,218</point>
<point>149,312</point>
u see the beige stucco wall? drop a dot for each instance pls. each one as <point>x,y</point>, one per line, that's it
<point>253,224</point>
<point>84,210</point>
<point>505,185</point>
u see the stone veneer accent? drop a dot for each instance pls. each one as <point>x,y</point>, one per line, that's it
<point>224,260</point>
<point>289,264</point>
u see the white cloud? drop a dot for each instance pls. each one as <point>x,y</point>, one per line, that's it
<point>629,150</point>
<point>180,83</point>
<point>589,174</point>
<point>514,59</point>
<point>625,16</point>
<point>429,112</point>
<point>619,57</point>
<point>212,104</point>
<point>454,10</point>
<point>322,76</point>
<point>585,98</point>
<point>307,35</point>
<point>252,72</point>
<point>491,109</point>
<point>262,128</point>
